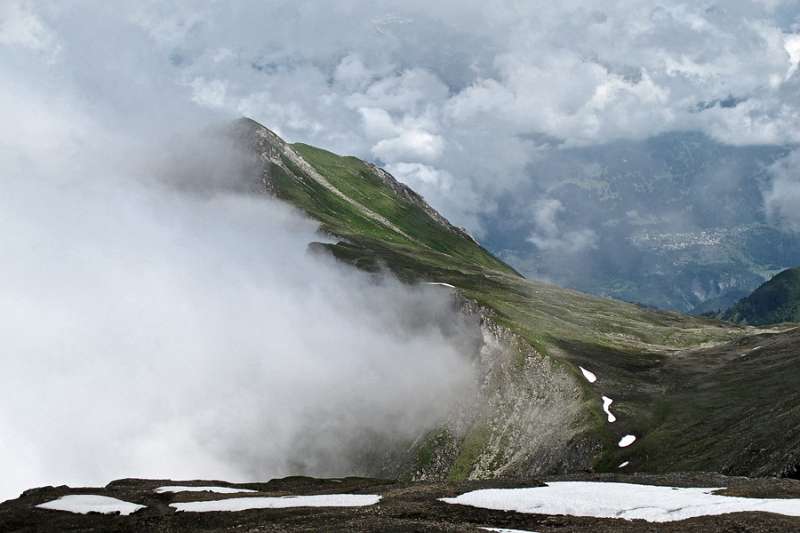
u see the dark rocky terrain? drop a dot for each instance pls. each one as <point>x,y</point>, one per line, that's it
<point>404,507</point>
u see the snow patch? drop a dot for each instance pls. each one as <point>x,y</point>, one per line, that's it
<point>623,465</point>
<point>91,503</point>
<point>626,441</point>
<point>590,377</point>
<point>187,488</point>
<point>242,504</point>
<point>606,407</point>
<point>622,500</point>
<point>443,284</point>
<point>506,530</point>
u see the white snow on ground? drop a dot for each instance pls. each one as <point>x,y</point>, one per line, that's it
<point>590,377</point>
<point>506,530</point>
<point>91,503</point>
<point>443,284</point>
<point>623,465</point>
<point>626,441</point>
<point>606,406</point>
<point>241,504</point>
<point>621,500</point>
<point>187,488</point>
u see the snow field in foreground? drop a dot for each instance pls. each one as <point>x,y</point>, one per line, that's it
<point>91,503</point>
<point>187,488</point>
<point>241,504</point>
<point>506,530</point>
<point>621,500</point>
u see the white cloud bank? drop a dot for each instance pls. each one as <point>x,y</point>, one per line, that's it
<point>468,89</point>
<point>782,197</point>
<point>149,332</point>
<point>156,322</point>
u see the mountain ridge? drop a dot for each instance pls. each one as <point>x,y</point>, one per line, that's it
<point>534,412</point>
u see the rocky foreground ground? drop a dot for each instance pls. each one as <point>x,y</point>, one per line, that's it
<point>403,507</point>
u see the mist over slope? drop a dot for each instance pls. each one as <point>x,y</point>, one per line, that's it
<point>552,358</point>
<point>151,329</point>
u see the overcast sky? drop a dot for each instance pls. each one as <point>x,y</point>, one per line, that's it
<point>456,98</point>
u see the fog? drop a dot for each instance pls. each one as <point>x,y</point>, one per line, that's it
<point>157,322</point>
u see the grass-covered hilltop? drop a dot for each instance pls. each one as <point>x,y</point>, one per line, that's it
<point>567,380</point>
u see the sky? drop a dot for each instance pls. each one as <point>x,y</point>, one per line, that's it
<point>103,105</point>
<point>159,322</point>
<point>458,99</point>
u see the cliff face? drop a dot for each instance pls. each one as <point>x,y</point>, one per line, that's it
<point>524,419</point>
<point>677,384</point>
<point>526,410</point>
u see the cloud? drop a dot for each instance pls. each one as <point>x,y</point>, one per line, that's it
<point>416,145</point>
<point>159,321</point>
<point>21,27</point>
<point>782,196</point>
<point>468,88</point>
<point>549,237</point>
<point>209,93</point>
<point>791,43</point>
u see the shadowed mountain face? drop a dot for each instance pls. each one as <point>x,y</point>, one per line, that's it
<point>676,221</point>
<point>776,301</point>
<point>695,393</point>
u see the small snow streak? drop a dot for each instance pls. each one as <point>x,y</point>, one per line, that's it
<point>623,465</point>
<point>626,441</point>
<point>590,377</point>
<point>189,488</point>
<point>606,407</point>
<point>506,530</point>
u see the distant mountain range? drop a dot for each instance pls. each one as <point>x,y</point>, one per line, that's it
<point>678,221</point>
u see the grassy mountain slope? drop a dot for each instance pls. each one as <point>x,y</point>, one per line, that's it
<point>677,381</point>
<point>776,301</point>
